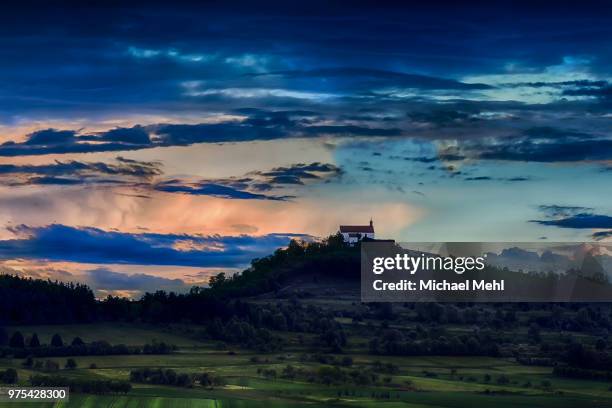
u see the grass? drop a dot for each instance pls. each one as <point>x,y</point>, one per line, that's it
<point>411,387</point>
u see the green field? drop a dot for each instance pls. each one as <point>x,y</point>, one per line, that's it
<point>432,382</point>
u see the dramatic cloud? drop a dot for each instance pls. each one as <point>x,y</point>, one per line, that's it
<point>358,79</point>
<point>555,211</point>
<point>487,178</point>
<point>96,246</point>
<point>256,125</point>
<point>601,235</point>
<point>540,144</point>
<point>575,217</point>
<point>444,118</point>
<point>212,189</point>
<point>297,174</point>
<point>76,172</point>
<point>582,220</point>
<point>50,141</point>
<point>251,185</point>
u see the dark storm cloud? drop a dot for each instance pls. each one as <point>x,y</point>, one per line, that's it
<point>444,118</point>
<point>359,79</point>
<point>299,173</point>
<point>76,172</point>
<point>51,180</point>
<point>349,130</point>
<point>600,235</point>
<point>488,178</point>
<point>541,144</point>
<point>121,166</point>
<point>585,83</point>
<point>92,245</point>
<point>573,151</point>
<point>258,125</point>
<point>213,190</point>
<point>579,221</point>
<point>136,135</point>
<point>598,89</point>
<point>554,210</point>
<point>51,141</point>
<point>251,185</point>
<point>575,217</point>
<point>51,137</point>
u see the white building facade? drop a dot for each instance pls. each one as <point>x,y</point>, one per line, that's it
<point>355,233</point>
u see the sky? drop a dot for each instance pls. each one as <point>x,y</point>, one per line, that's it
<point>147,146</point>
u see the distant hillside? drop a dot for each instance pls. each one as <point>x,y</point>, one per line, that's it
<point>329,258</point>
<point>35,301</point>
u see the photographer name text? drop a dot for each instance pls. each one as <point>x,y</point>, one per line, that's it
<point>433,285</point>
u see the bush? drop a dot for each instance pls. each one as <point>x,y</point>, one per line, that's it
<point>17,340</point>
<point>502,379</point>
<point>56,341</point>
<point>581,373</point>
<point>9,376</point>
<point>51,366</point>
<point>210,380</point>
<point>3,337</point>
<point>34,342</point>
<point>161,376</point>
<point>347,361</point>
<point>71,364</point>
<point>77,341</point>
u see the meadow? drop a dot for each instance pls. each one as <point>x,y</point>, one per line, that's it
<point>420,381</point>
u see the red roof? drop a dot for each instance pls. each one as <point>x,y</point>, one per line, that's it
<point>365,229</point>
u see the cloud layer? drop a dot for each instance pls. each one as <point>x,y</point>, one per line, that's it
<point>95,246</point>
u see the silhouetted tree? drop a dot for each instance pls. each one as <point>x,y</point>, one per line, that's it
<point>77,341</point>
<point>71,364</point>
<point>34,342</point>
<point>9,376</point>
<point>17,340</point>
<point>3,337</point>
<point>56,341</point>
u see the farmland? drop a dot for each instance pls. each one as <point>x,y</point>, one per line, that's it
<point>418,381</point>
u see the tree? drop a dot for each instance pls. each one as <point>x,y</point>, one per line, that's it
<point>184,380</point>
<point>34,342</point>
<point>534,332</point>
<point>217,280</point>
<point>71,364</point>
<point>51,366</point>
<point>56,341</point>
<point>600,344</point>
<point>3,337</point>
<point>10,376</point>
<point>77,341</point>
<point>17,340</point>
